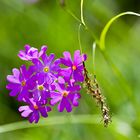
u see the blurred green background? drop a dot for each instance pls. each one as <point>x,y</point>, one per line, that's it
<point>40,22</point>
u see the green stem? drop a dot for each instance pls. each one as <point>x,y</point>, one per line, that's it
<point>82,17</point>
<point>84,24</point>
<point>72,14</point>
<point>74,119</point>
<point>81,21</point>
<point>79,37</point>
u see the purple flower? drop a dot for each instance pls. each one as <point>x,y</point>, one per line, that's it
<point>20,82</point>
<point>31,53</point>
<point>41,89</point>
<point>34,110</point>
<point>66,94</point>
<point>74,67</point>
<point>47,80</point>
<point>47,68</point>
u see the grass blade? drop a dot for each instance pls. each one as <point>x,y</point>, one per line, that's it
<point>107,26</point>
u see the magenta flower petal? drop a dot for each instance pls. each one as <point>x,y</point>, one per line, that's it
<point>84,57</point>
<point>43,50</point>
<point>37,65</point>
<point>11,78</point>
<point>26,113</point>
<point>67,59</point>
<point>16,73</point>
<point>55,94</point>
<point>31,53</point>
<point>51,57</point>
<point>61,80</point>
<point>14,92</point>
<point>74,99</point>
<point>48,109</point>
<point>34,117</point>
<point>66,72</point>
<point>47,60</point>
<point>34,110</point>
<point>15,77</point>
<point>55,100</point>
<point>11,86</point>
<point>47,68</point>
<point>23,108</point>
<point>67,105</point>
<point>61,105</point>
<point>74,67</point>
<point>27,48</point>
<point>64,104</point>
<point>77,57</point>
<point>55,65</point>
<point>43,112</point>
<point>65,95</point>
<point>22,94</point>
<point>20,82</point>
<point>31,118</point>
<point>78,76</point>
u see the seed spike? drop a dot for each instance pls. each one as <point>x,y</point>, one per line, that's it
<point>94,90</point>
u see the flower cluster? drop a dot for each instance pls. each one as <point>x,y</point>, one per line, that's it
<point>46,82</point>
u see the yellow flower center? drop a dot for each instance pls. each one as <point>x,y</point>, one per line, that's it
<point>41,87</point>
<point>35,107</point>
<point>74,67</point>
<point>65,93</point>
<point>66,84</point>
<point>46,69</point>
<point>23,83</point>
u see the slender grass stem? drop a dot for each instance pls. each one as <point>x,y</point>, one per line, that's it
<point>79,37</point>
<point>57,120</point>
<point>72,119</point>
<point>82,17</point>
<point>72,14</point>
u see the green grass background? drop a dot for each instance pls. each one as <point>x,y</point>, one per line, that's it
<point>46,23</point>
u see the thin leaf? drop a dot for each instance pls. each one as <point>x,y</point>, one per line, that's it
<point>107,26</point>
<point>81,119</point>
<point>73,119</point>
<point>82,17</point>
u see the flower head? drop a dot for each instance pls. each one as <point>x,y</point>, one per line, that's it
<point>66,94</point>
<point>41,89</point>
<point>47,81</point>
<point>21,82</point>
<point>74,68</point>
<point>47,67</point>
<point>33,110</point>
<point>31,53</point>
